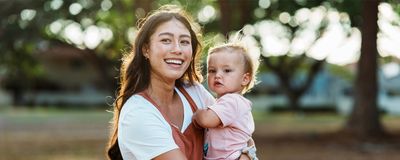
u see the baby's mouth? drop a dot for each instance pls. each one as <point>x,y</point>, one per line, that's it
<point>218,83</point>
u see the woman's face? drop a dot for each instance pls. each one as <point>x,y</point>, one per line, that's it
<point>169,51</point>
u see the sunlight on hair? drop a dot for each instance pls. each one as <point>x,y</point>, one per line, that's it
<point>247,41</point>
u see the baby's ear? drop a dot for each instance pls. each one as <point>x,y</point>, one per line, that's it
<point>246,79</point>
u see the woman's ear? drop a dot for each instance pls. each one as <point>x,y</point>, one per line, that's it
<point>246,79</point>
<point>145,51</point>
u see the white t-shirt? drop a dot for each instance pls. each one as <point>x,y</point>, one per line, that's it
<point>143,133</point>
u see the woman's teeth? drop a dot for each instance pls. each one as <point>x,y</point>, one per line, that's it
<point>174,61</point>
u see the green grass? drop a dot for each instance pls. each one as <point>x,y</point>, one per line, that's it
<point>49,133</point>
<point>53,134</point>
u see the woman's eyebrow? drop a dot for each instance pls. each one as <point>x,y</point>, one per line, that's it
<point>170,34</point>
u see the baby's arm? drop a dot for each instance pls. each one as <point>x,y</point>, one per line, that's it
<point>206,118</point>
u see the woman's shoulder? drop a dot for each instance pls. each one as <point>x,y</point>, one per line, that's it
<point>196,89</point>
<point>137,108</point>
<point>199,94</point>
<point>135,100</point>
<point>137,104</point>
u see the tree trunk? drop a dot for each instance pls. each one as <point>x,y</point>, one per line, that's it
<point>245,12</point>
<point>364,121</point>
<point>226,16</point>
<point>294,101</point>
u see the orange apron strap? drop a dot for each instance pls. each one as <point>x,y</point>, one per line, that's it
<point>189,99</point>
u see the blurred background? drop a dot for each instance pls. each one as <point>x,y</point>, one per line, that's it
<point>329,78</point>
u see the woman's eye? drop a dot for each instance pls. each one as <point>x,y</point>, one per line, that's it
<point>166,40</point>
<point>185,42</point>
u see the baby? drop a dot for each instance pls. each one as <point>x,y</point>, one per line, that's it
<point>229,122</point>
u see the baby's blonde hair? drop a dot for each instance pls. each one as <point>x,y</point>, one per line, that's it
<point>250,63</point>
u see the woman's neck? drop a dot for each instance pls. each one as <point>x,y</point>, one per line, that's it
<point>161,92</point>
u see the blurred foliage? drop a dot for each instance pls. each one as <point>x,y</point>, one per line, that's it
<point>26,29</point>
<point>23,36</point>
<point>341,72</point>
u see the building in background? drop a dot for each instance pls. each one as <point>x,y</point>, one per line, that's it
<point>71,77</point>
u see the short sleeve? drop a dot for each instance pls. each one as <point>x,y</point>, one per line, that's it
<point>143,133</point>
<point>227,108</point>
<point>200,95</point>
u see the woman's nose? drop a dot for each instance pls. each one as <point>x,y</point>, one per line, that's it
<point>176,49</point>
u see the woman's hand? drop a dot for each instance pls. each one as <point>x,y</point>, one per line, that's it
<point>175,154</point>
<point>244,157</point>
<point>249,153</point>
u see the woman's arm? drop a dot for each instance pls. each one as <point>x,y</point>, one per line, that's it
<point>175,154</point>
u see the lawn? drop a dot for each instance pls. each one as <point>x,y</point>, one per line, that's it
<point>288,136</point>
<point>44,134</point>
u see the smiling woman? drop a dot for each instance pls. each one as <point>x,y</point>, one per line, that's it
<point>160,90</point>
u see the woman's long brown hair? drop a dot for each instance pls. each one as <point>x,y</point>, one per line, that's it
<point>135,69</point>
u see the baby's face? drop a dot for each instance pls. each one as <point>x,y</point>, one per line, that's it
<point>226,73</point>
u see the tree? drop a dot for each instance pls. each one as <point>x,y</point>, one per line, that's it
<point>286,66</point>
<point>291,63</point>
<point>26,29</point>
<point>229,20</point>
<point>29,27</point>
<point>17,36</point>
<point>285,70</point>
<point>364,120</point>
